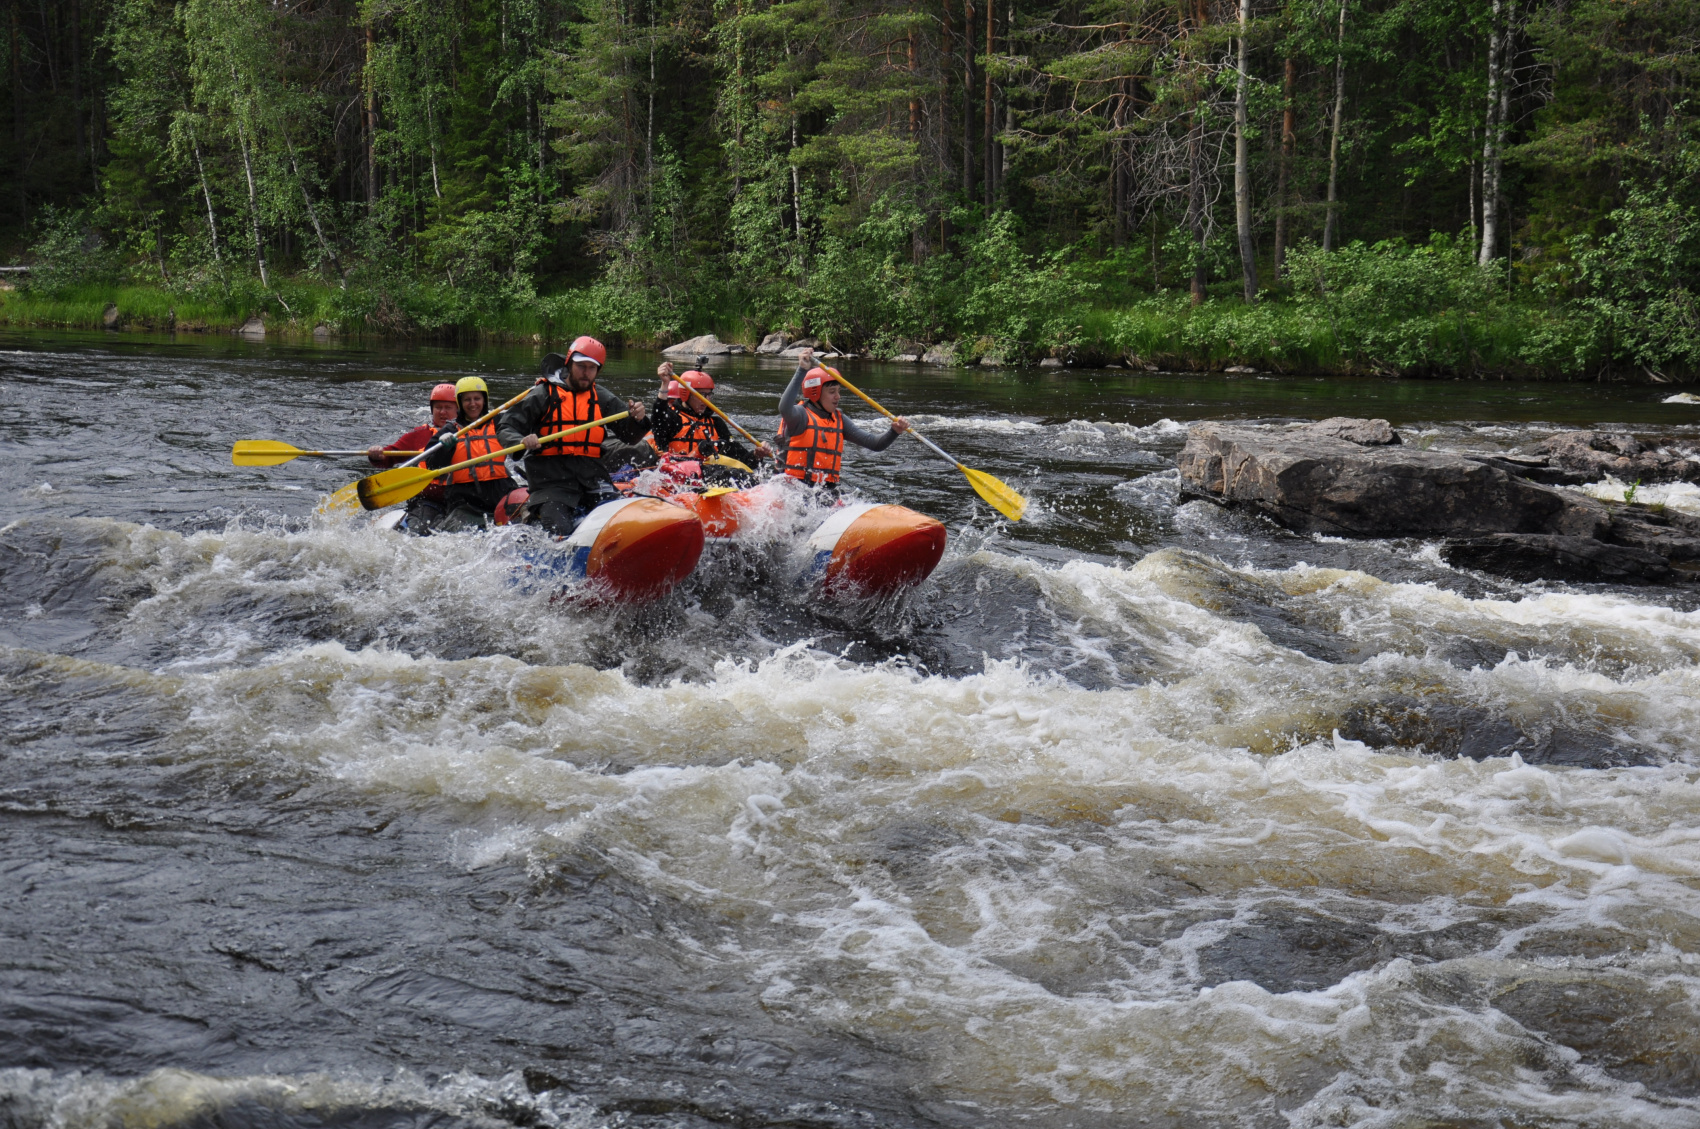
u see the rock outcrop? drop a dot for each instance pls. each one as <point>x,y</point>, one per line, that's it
<point>1596,454</point>
<point>1492,518</point>
<point>773,344</point>
<point>1363,432</point>
<point>708,345</point>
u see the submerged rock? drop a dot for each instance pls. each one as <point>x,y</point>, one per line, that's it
<point>1495,519</point>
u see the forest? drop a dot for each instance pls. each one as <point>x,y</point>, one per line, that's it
<point>1463,187</point>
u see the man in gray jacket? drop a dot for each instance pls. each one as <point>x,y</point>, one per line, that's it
<point>813,431</point>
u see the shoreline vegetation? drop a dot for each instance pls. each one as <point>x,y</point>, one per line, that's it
<point>1382,311</point>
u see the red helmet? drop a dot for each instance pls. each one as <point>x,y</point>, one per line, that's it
<point>815,378</point>
<point>444,392</point>
<point>587,349</point>
<point>698,380</point>
<point>510,505</point>
<point>675,390</point>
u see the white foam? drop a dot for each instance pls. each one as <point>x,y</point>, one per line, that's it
<point>1684,497</point>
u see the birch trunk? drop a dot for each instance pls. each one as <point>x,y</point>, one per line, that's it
<point>1334,133</point>
<point>206,194</point>
<point>1490,144</point>
<point>1242,166</point>
<point>1289,139</point>
<point>253,203</point>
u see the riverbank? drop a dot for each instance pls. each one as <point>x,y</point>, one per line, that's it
<point>1342,332</point>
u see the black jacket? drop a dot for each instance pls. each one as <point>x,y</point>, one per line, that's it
<point>543,468</point>
<point>668,420</point>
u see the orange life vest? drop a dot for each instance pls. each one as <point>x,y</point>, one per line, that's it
<point>695,439</point>
<point>569,409</point>
<point>480,440</point>
<point>815,453</point>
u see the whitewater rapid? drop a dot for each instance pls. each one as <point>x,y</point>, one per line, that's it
<point>1145,814</point>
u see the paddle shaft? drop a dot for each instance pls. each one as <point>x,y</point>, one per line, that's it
<point>485,418</point>
<point>729,420</point>
<point>874,404</point>
<point>506,451</point>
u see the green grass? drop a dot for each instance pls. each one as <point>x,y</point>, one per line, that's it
<point>1337,333</point>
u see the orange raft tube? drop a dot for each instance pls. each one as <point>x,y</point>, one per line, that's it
<point>860,550</point>
<point>635,548</point>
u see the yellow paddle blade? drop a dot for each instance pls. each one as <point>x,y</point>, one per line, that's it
<point>718,490</point>
<point>346,500</point>
<point>263,452</point>
<point>997,494</point>
<point>727,461</point>
<point>388,487</point>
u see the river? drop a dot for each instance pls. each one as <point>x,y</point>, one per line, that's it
<point>1139,812</point>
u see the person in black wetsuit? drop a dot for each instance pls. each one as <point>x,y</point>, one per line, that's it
<point>685,427</point>
<point>814,431</point>
<point>568,478</point>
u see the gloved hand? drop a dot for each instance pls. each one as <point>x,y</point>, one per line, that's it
<point>447,435</point>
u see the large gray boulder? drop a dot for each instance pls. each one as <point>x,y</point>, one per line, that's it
<point>1317,483</point>
<point>1490,516</point>
<point>773,344</point>
<point>1363,432</point>
<point>708,345</point>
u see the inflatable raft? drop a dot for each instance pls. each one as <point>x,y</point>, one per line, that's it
<point>864,549</point>
<point>860,549</point>
<point>626,551</point>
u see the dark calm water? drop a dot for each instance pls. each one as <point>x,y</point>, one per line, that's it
<point>1138,812</point>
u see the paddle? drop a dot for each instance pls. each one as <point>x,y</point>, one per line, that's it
<point>730,420</point>
<point>398,484</point>
<point>271,452</point>
<point>348,497</point>
<point>997,495</point>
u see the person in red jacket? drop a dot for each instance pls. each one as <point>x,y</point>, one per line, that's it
<point>427,506</point>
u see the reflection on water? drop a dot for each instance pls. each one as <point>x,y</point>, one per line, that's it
<point>1138,812</point>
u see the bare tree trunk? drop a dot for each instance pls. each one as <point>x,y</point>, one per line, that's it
<point>946,46</point>
<point>371,121</point>
<point>1329,221</point>
<point>968,98</point>
<point>991,175</point>
<point>18,116</point>
<point>1196,204</point>
<point>1289,139</point>
<point>649,130</point>
<point>1242,166</point>
<point>313,215</point>
<point>206,193</point>
<point>1118,177</point>
<point>914,99</point>
<point>77,74</point>
<point>431,124</point>
<point>1493,144</point>
<point>253,203</point>
<point>796,180</point>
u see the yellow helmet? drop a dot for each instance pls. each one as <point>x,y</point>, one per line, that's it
<point>471,384</point>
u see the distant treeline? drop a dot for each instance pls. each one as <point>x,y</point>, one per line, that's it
<point>1520,176</point>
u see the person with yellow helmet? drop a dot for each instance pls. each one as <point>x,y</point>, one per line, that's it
<point>568,478</point>
<point>472,494</point>
<point>812,431</point>
<point>424,508</point>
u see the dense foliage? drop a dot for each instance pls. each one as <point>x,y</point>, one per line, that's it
<point>1409,185</point>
